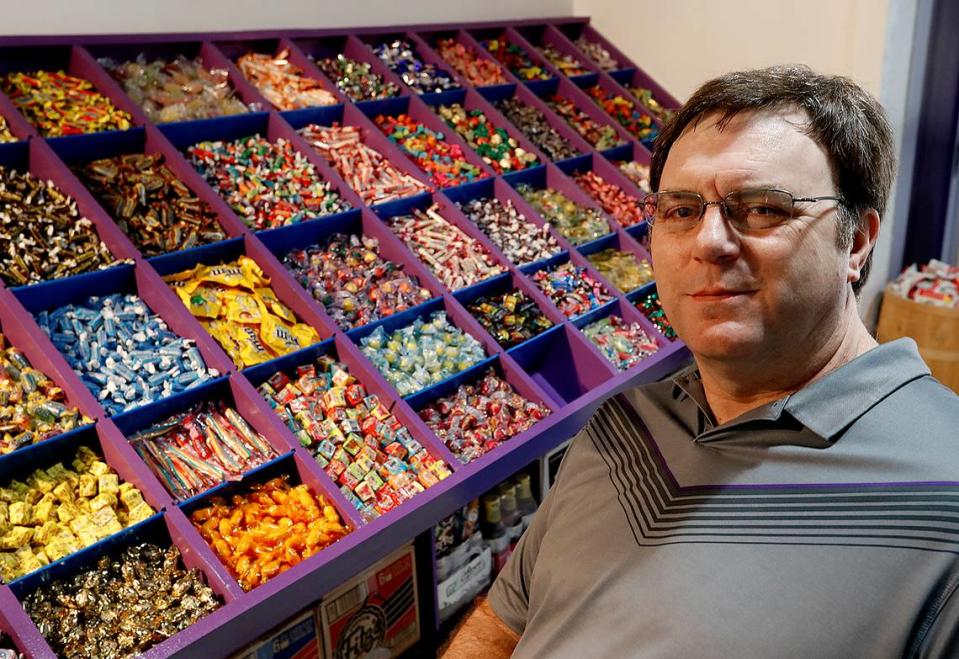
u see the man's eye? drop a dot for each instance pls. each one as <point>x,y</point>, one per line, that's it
<point>768,211</point>
<point>680,212</point>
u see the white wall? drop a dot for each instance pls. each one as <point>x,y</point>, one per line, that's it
<point>21,17</point>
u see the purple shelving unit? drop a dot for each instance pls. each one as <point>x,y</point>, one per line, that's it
<point>558,368</point>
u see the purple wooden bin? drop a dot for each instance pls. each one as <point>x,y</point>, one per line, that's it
<point>559,367</point>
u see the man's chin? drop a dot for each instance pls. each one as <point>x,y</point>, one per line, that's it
<point>725,342</point>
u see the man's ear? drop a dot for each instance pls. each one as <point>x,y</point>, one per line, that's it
<point>863,241</point>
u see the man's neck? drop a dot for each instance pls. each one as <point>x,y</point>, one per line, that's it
<point>730,395</point>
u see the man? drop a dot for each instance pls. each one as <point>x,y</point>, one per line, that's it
<point>794,496</point>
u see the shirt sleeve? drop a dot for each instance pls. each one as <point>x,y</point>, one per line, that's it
<point>942,639</point>
<point>509,596</point>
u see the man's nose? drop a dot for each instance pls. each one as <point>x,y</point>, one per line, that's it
<point>716,240</point>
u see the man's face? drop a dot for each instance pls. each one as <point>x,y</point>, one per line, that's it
<point>762,294</point>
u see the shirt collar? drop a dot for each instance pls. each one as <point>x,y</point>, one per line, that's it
<point>827,406</point>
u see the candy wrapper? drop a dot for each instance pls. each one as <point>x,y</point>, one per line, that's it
<point>935,283</point>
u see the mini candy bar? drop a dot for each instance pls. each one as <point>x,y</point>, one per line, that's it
<point>624,111</point>
<point>511,318</point>
<point>465,61</point>
<point>638,173</point>
<point>125,355</point>
<point>59,104</point>
<point>652,308</point>
<point>623,344</point>
<point>32,407</point>
<point>572,289</point>
<point>600,136</point>
<point>600,56</point>
<point>421,354</point>
<point>235,304</point>
<point>283,83</point>
<point>104,610</point>
<point>566,64</point>
<point>42,235</point>
<point>651,103</point>
<point>180,89</point>
<point>356,79</point>
<point>935,283</point>
<point>268,184</point>
<point>478,417</point>
<point>59,511</point>
<point>268,529</point>
<point>445,163</point>
<point>621,268</point>
<point>493,145</point>
<point>152,206</point>
<point>515,59</point>
<point>519,239</point>
<point>5,134</point>
<point>365,169</point>
<point>422,78</point>
<point>533,124</point>
<point>353,283</point>
<point>576,223</point>
<point>457,259</point>
<point>624,208</point>
<point>203,447</point>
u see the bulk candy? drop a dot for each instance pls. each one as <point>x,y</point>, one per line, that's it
<point>421,354</point>
<point>935,283</point>
<point>125,355</point>
<point>624,111</point>
<point>515,59</point>
<point>573,290</point>
<point>268,529</point>
<point>59,511</point>
<point>422,78</point>
<point>520,240</point>
<point>598,54</point>
<point>478,417</point>
<point>363,447</point>
<point>465,61</point>
<point>576,223</point>
<point>511,318</point>
<point>623,344</point>
<point>566,64</point>
<point>6,135</point>
<point>651,103</point>
<point>622,269</point>
<point>638,173</point>
<point>8,649</point>
<point>234,303</point>
<point>59,104</point>
<point>652,308</point>
<point>494,145</point>
<point>42,235</point>
<point>32,407</point>
<point>533,124</point>
<point>624,208</point>
<point>283,83</point>
<point>352,281</point>
<point>455,258</point>
<point>356,79</point>
<point>151,205</point>
<point>445,163</point>
<point>121,607</point>
<point>600,136</point>
<point>180,89</point>
<point>268,184</point>
<point>365,169</point>
<point>201,448</point>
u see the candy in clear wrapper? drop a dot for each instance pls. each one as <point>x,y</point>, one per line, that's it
<point>573,290</point>
<point>494,145</point>
<point>533,124</point>
<point>652,308</point>
<point>515,59</point>
<point>623,207</point>
<point>283,83</point>
<point>520,240</point>
<point>623,344</point>
<point>444,163</point>
<point>357,79</point>
<point>465,61</point>
<point>511,318</point>
<point>422,78</point>
<point>578,224</point>
<point>600,136</point>
<point>623,269</point>
<point>598,54</point>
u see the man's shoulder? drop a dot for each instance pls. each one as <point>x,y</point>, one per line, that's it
<point>923,406</point>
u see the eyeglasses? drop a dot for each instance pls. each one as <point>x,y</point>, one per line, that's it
<point>746,210</point>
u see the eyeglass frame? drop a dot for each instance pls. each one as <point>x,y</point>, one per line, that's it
<point>724,210</point>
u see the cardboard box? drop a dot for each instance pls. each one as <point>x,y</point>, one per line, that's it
<point>374,615</point>
<point>464,584</point>
<point>298,638</point>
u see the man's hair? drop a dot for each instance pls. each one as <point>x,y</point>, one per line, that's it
<point>843,118</point>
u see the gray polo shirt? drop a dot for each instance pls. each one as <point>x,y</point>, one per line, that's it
<point>825,524</point>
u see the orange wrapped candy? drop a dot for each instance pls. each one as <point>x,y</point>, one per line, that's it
<point>266,531</point>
